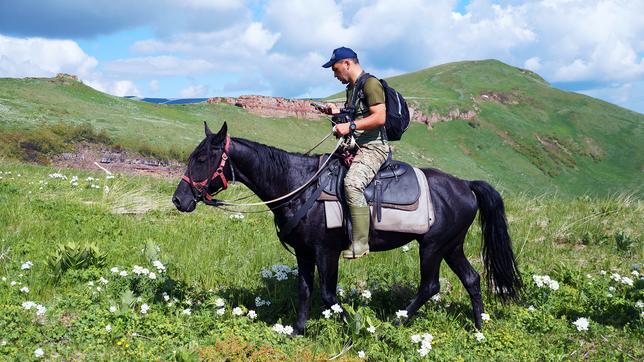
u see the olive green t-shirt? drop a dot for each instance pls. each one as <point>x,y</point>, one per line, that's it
<point>374,94</point>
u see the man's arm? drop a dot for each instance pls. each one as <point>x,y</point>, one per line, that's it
<point>376,118</point>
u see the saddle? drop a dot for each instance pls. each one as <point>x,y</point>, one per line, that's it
<point>395,185</point>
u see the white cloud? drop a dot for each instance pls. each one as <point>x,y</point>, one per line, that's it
<point>163,65</point>
<point>37,57</point>
<point>194,91</point>
<point>117,88</point>
<point>533,64</point>
<point>153,86</point>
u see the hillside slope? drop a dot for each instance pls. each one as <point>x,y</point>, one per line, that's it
<point>526,136</point>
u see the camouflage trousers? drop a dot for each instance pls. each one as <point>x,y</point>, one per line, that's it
<point>365,165</point>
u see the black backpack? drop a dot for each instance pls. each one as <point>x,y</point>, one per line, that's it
<point>397,119</point>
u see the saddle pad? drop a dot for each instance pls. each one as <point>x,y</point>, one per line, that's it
<point>397,181</point>
<point>409,221</point>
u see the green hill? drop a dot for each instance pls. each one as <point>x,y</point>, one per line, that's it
<point>526,136</point>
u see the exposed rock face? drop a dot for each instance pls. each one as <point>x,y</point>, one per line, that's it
<point>65,76</point>
<point>418,117</point>
<point>275,107</point>
<point>499,97</point>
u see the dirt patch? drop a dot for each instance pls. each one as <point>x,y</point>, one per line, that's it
<point>117,161</point>
<point>498,97</point>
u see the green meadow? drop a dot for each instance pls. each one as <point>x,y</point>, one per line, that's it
<point>105,268</point>
<point>591,247</point>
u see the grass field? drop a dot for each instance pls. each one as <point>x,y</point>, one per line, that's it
<point>591,247</point>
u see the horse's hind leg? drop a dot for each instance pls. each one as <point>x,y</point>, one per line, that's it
<point>469,277</point>
<point>430,261</point>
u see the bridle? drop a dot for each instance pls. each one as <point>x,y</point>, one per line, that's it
<point>202,186</point>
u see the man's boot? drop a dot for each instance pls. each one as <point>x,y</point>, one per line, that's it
<point>360,219</point>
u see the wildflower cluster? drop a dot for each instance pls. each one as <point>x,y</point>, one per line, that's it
<point>425,341</point>
<point>581,324</point>
<point>40,309</point>
<point>280,329</point>
<point>259,302</point>
<point>544,281</point>
<point>278,272</point>
<point>623,279</point>
<point>335,309</point>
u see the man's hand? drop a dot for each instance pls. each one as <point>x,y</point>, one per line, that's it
<point>341,129</point>
<point>331,109</point>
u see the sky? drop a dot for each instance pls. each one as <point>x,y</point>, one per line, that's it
<point>202,48</point>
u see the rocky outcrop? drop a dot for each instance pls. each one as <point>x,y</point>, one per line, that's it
<point>274,107</point>
<point>65,76</point>
<point>435,117</point>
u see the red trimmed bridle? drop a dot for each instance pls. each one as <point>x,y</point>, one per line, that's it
<point>202,186</point>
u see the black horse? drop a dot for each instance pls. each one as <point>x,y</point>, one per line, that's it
<point>270,173</point>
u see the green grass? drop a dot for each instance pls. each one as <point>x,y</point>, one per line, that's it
<point>210,255</point>
<point>587,146</point>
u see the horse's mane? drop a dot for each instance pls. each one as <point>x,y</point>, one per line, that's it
<point>276,159</point>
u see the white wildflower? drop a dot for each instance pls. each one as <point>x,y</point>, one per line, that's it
<point>166,297</point>
<point>152,275</point>
<point>361,355</point>
<point>40,310</point>
<point>160,267</point>
<point>278,328</point>
<point>531,308</point>
<point>28,305</point>
<point>123,273</point>
<point>13,282</point>
<point>26,265</point>
<point>602,272</point>
<point>187,311</point>
<point>259,302</point>
<point>340,292</point>
<point>436,297</point>
<point>371,329</point>
<point>108,327</point>
<point>581,324</point>
<point>405,248</point>
<point>114,270</point>
<point>336,308</point>
<point>39,353</point>
<point>237,311</point>
<point>639,304</point>
<point>266,274</point>
<point>366,294</point>
<point>237,216</point>
<point>24,290</point>
<point>628,281</point>
<point>219,302</point>
<point>90,283</point>
<point>416,338</point>
<point>485,316</point>
<point>401,314</point>
<point>252,314</point>
<point>288,330</point>
<point>327,313</point>
<point>479,336</point>
<point>616,277</point>
<point>221,311</point>
<point>611,289</point>
<point>112,309</point>
<point>103,281</point>
<point>144,308</point>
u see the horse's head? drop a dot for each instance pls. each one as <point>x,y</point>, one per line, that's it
<point>205,175</point>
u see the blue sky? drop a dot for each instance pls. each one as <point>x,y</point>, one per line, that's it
<point>200,48</point>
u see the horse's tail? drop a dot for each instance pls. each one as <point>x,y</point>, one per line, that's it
<point>501,269</point>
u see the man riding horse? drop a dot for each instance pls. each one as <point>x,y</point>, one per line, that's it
<point>366,125</point>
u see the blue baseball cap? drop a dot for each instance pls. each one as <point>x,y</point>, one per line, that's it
<point>340,54</point>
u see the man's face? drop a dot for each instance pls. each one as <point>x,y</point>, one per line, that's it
<point>341,71</point>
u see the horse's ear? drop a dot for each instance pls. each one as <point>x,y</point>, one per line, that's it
<point>208,131</point>
<point>224,130</point>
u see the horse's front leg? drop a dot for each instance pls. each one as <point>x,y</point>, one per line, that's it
<point>327,262</point>
<point>305,269</point>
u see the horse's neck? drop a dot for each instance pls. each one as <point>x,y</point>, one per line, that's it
<point>269,172</point>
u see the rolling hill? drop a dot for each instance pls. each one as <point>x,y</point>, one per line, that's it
<point>525,136</point>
